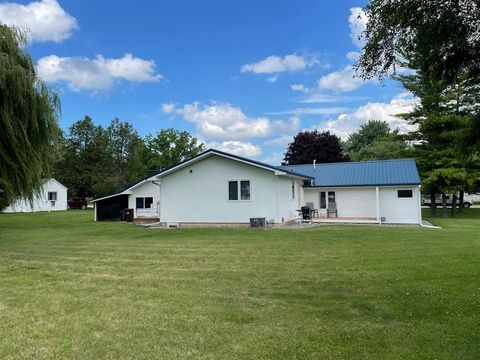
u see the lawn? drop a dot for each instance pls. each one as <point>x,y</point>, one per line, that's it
<point>74,289</point>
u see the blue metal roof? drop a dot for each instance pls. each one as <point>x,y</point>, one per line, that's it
<point>363,173</point>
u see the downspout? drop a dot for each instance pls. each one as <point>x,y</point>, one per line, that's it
<point>420,204</point>
<point>159,197</point>
<point>377,198</point>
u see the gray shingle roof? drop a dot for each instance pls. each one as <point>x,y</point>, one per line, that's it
<point>363,173</point>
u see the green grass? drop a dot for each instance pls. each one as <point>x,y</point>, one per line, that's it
<point>74,289</point>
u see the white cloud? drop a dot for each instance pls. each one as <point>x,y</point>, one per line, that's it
<point>275,158</point>
<point>313,111</point>
<point>97,74</point>
<point>168,108</point>
<point>277,64</point>
<point>237,147</point>
<point>300,88</point>
<point>225,121</point>
<point>319,98</point>
<point>357,22</point>
<point>282,140</point>
<point>347,123</point>
<point>44,20</point>
<point>341,81</point>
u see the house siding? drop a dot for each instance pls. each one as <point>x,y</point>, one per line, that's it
<point>400,210</point>
<point>41,202</point>
<point>199,193</point>
<point>360,202</point>
<point>148,189</point>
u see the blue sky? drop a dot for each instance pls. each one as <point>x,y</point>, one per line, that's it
<point>243,76</point>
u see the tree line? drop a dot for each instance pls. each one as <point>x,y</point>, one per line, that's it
<point>92,160</point>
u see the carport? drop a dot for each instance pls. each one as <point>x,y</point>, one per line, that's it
<point>111,208</point>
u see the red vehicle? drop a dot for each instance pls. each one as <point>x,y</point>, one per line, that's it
<point>77,203</point>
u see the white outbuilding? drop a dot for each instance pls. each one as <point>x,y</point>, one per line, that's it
<point>218,188</point>
<point>52,196</point>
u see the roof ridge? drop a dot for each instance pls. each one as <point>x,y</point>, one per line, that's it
<point>353,162</point>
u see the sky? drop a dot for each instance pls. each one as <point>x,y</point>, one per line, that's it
<point>241,76</point>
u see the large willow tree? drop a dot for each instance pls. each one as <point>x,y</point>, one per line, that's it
<point>28,120</point>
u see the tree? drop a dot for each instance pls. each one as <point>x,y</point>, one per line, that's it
<point>28,120</point>
<point>126,149</point>
<point>376,141</point>
<point>368,134</point>
<point>86,167</point>
<point>308,146</point>
<point>441,34</point>
<point>169,147</point>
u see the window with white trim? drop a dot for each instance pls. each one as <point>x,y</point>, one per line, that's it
<point>293,189</point>
<point>52,195</point>
<point>144,202</point>
<point>239,187</point>
<point>405,193</point>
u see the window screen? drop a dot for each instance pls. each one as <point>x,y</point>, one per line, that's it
<point>52,195</point>
<point>323,200</point>
<point>245,190</point>
<point>139,202</point>
<point>331,196</point>
<point>148,202</point>
<point>405,193</point>
<point>233,190</point>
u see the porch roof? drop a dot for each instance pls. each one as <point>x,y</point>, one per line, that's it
<point>363,173</point>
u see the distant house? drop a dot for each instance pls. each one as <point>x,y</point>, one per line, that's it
<point>51,197</point>
<point>215,187</point>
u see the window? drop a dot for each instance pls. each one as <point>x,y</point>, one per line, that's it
<point>148,202</point>
<point>233,190</point>
<point>293,189</point>
<point>323,200</point>
<point>405,193</point>
<point>52,195</point>
<point>144,203</point>
<point>244,190</point>
<point>331,196</point>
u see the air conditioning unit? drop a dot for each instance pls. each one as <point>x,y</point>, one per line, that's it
<point>258,223</point>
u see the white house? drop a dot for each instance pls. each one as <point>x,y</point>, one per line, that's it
<point>215,187</point>
<point>52,196</point>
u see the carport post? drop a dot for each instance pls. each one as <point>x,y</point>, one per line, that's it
<point>377,198</point>
<point>95,211</point>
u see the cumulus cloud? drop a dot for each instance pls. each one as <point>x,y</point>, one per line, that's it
<point>357,22</point>
<point>225,121</point>
<point>43,20</point>
<point>347,123</point>
<point>97,74</point>
<point>237,147</point>
<point>276,64</point>
<point>340,81</point>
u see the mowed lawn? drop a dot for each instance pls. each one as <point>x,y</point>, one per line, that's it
<point>74,289</point>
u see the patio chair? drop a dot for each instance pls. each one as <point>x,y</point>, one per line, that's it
<point>332,209</point>
<point>313,211</point>
<point>306,214</point>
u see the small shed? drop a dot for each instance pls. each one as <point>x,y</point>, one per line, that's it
<point>52,196</point>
